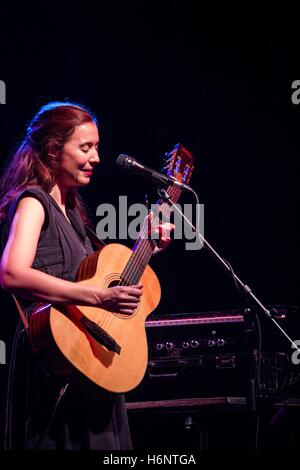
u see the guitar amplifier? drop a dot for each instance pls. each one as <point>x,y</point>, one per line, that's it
<point>207,355</point>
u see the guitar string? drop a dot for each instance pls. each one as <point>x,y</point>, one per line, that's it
<point>147,242</point>
<point>130,271</point>
<point>131,275</point>
<point>131,267</point>
<point>143,247</point>
<point>134,268</point>
<point>108,320</point>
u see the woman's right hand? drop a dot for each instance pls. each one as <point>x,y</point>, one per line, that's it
<point>121,299</point>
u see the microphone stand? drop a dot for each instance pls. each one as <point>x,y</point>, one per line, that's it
<point>166,197</point>
<point>248,316</point>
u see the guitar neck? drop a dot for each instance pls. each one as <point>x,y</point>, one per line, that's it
<point>145,245</point>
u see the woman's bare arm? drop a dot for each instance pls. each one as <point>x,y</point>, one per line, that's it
<point>17,275</point>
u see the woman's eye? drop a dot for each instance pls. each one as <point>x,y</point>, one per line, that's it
<point>85,149</point>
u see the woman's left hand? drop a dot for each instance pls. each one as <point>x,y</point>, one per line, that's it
<point>162,233</point>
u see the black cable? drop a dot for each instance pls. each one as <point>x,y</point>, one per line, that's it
<point>53,414</point>
<point>258,378</point>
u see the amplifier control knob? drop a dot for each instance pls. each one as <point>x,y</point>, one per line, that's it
<point>159,346</point>
<point>211,343</point>
<point>220,342</point>
<point>185,344</point>
<point>194,343</point>
<point>169,345</point>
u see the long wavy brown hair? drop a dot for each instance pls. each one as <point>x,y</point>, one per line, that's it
<point>34,162</point>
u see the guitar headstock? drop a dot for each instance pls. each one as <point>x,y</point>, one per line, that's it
<point>179,164</point>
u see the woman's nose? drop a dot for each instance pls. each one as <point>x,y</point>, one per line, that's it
<point>95,157</point>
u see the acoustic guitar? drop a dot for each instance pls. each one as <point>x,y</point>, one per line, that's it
<point>109,348</point>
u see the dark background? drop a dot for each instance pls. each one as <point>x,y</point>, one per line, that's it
<point>215,78</point>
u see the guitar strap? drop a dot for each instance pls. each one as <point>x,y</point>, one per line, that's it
<point>93,237</point>
<point>20,310</point>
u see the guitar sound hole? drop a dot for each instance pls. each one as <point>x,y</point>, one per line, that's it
<point>114,283</point>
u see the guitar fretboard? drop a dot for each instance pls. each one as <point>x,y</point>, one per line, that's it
<point>145,245</point>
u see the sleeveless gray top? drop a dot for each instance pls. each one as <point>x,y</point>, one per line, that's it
<point>62,245</point>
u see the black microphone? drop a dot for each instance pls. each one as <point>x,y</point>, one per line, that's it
<point>127,163</point>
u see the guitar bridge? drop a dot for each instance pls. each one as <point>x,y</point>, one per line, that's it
<point>100,335</point>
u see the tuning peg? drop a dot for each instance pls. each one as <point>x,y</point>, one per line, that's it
<point>166,167</point>
<point>168,161</point>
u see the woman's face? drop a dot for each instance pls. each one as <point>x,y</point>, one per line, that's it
<point>79,156</point>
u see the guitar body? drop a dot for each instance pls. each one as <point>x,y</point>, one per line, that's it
<point>116,372</point>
